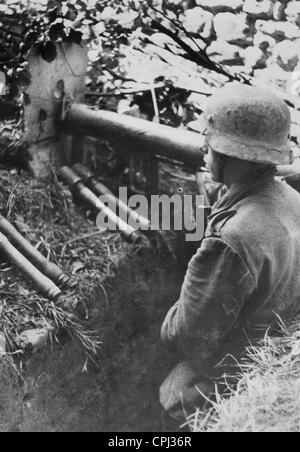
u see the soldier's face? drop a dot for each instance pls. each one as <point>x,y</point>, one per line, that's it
<point>214,165</point>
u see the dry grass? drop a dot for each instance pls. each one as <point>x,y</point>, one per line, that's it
<point>13,150</point>
<point>267,398</point>
<point>45,214</point>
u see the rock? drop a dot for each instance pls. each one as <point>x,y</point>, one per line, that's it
<point>295,114</point>
<point>198,21</point>
<point>286,55</point>
<point>278,30</point>
<point>167,3</point>
<point>187,4</point>
<point>160,39</point>
<point>279,11</point>
<point>294,90</point>
<point>272,75</point>
<point>35,339</point>
<point>262,9</point>
<point>293,12</point>
<point>220,6</point>
<point>222,52</point>
<point>240,69</point>
<point>233,28</point>
<point>198,100</point>
<point>263,42</point>
<point>177,3</point>
<point>295,131</point>
<point>255,59</point>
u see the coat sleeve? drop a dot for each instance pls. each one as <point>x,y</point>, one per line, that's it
<point>215,288</point>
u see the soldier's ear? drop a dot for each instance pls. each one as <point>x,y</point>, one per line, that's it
<point>204,149</point>
<point>221,158</point>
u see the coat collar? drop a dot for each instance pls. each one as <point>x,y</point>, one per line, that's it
<point>223,210</point>
<point>244,188</point>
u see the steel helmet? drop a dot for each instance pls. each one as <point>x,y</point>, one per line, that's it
<point>248,123</point>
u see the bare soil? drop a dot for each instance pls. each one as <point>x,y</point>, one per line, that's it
<point>120,391</point>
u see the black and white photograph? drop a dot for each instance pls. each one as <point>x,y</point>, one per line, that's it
<point>149,219</point>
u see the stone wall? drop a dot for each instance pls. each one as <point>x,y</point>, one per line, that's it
<point>261,38</point>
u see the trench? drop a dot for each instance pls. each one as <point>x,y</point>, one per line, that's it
<point>59,389</point>
<point>60,392</point>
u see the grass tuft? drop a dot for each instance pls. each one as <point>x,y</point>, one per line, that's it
<point>267,397</point>
<point>44,213</point>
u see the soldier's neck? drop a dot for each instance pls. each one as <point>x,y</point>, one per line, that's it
<point>242,172</point>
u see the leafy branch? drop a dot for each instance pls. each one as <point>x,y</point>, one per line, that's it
<point>201,58</point>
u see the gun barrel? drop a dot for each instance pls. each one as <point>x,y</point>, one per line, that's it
<point>35,257</point>
<point>101,190</point>
<point>78,187</point>
<point>43,284</point>
<point>136,135</point>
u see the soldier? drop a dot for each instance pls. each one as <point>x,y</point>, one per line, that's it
<point>245,275</point>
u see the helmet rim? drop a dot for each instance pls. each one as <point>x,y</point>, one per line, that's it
<point>247,123</point>
<point>253,151</point>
